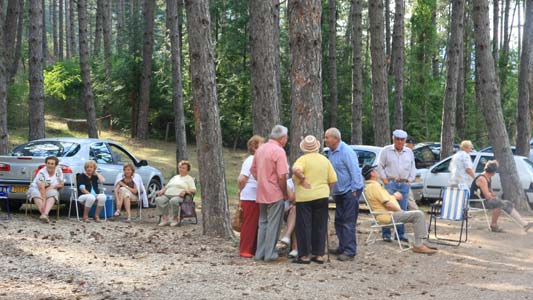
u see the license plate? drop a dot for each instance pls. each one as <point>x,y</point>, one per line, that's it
<point>19,189</point>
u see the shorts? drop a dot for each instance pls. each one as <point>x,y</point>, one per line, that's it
<point>35,193</point>
<point>506,205</point>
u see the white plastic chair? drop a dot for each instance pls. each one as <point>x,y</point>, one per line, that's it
<point>375,226</point>
<point>74,197</point>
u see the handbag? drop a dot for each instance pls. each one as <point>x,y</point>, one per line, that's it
<point>236,222</point>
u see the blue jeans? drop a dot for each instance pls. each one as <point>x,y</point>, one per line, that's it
<point>346,212</point>
<point>393,187</point>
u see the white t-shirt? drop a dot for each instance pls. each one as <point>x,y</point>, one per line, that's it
<point>43,177</point>
<point>290,187</point>
<point>460,162</point>
<point>249,191</point>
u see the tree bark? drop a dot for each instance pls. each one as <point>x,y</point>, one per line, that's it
<point>177,89</point>
<point>4,133</point>
<point>68,34</point>
<point>398,48</point>
<point>45,40</point>
<point>495,27</point>
<point>14,64</point>
<point>356,18</point>
<point>380,102</point>
<point>10,22</point>
<point>524,86</point>
<point>120,26</point>
<point>72,25</point>
<point>35,49</point>
<point>60,44</point>
<point>489,98</point>
<point>332,61</point>
<point>97,43</point>
<point>87,93</point>
<point>263,67</point>
<point>305,42</point>
<point>53,12</point>
<point>215,211</point>
<point>387,30</point>
<point>455,60</point>
<point>464,70</point>
<point>106,28</point>
<point>146,77</point>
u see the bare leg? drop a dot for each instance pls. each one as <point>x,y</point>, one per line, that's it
<point>97,213</point>
<point>39,203</point>
<point>86,213</point>
<point>291,221</point>
<point>495,215</point>
<point>118,196</point>
<point>49,204</point>
<point>127,206</point>
<point>518,217</point>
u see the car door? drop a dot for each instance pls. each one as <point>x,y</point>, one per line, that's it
<point>121,156</point>
<point>365,157</point>
<point>100,152</point>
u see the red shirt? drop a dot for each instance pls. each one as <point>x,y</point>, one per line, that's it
<point>270,163</point>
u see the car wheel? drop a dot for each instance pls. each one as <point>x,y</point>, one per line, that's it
<point>153,187</point>
<point>13,205</point>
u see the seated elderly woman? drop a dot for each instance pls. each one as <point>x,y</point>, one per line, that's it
<point>44,188</point>
<point>170,197</point>
<point>88,191</point>
<point>126,190</point>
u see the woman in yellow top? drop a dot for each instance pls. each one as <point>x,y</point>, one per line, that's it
<point>169,198</point>
<point>313,177</point>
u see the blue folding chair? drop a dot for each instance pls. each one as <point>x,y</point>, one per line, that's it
<point>4,195</point>
<point>453,206</point>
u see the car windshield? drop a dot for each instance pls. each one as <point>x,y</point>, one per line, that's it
<point>47,148</point>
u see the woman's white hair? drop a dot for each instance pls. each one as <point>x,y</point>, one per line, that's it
<point>279,131</point>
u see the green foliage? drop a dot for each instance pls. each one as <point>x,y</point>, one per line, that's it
<point>63,80</point>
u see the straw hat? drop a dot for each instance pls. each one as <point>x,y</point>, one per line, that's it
<point>309,144</point>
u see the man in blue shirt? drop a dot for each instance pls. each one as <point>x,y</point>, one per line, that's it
<point>346,193</point>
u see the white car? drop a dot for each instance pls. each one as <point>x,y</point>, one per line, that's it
<point>438,175</point>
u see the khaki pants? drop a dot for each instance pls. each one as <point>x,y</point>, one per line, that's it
<point>168,205</point>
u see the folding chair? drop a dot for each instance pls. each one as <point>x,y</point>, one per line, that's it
<point>140,192</point>
<point>74,197</point>
<point>375,226</point>
<point>453,206</point>
<point>476,209</point>
<point>4,195</point>
<point>29,200</point>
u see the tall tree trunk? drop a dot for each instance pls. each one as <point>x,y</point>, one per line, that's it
<point>387,30</point>
<point>10,22</point>
<point>135,40</point>
<point>398,48</point>
<point>60,30</point>
<point>67,30</point>
<point>45,40</point>
<point>72,26</point>
<point>106,28</point>
<point>504,52</point>
<point>463,74</point>
<point>380,97</point>
<point>356,17</point>
<point>524,86</point>
<point>332,61</point>
<point>14,64</point>
<point>305,42</point>
<point>215,211</point>
<point>146,77</point>
<point>4,133</point>
<point>87,93</point>
<point>97,43</point>
<point>277,4</point>
<point>495,27</point>
<point>53,12</point>
<point>120,26</point>
<point>264,74</point>
<point>35,48</point>
<point>455,60</point>
<point>177,89</point>
<point>489,93</point>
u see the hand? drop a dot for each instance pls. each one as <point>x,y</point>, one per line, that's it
<point>182,194</point>
<point>305,184</point>
<point>159,193</point>
<point>398,196</point>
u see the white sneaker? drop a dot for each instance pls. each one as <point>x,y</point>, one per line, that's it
<point>286,240</point>
<point>164,223</point>
<point>293,253</point>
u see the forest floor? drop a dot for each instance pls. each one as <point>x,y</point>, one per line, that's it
<point>68,259</point>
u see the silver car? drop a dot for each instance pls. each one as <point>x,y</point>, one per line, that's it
<point>439,175</point>
<point>17,169</point>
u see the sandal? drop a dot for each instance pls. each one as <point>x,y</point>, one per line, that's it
<point>496,229</point>
<point>315,259</point>
<point>117,213</point>
<point>300,261</point>
<point>97,220</point>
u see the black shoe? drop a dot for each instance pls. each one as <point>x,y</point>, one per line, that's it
<point>344,257</point>
<point>316,260</point>
<point>334,251</point>
<point>301,261</point>
<point>387,239</point>
<point>404,239</point>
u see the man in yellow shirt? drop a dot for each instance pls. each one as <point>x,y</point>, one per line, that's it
<point>381,200</point>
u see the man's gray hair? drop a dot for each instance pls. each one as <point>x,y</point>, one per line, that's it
<point>279,131</point>
<point>334,132</point>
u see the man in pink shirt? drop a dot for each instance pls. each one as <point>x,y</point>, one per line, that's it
<point>270,168</point>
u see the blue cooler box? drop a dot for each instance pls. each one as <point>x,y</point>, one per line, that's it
<point>109,208</point>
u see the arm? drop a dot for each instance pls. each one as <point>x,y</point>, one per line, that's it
<point>412,171</point>
<point>282,181</point>
<point>241,182</point>
<point>484,187</point>
<point>381,167</point>
<point>101,178</point>
<point>471,173</point>
<point>355,172</point>
<point>298,173</point>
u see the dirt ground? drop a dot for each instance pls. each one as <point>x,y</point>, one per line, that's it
<point>116,260</point>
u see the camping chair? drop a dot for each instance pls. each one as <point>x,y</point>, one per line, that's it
<point>4,195</point>
<point>140,192</point>
<point>376,226</point>
<point>74,197</point>
<point>477,209</point>
<point>453,206</point>
<point>29,200</point>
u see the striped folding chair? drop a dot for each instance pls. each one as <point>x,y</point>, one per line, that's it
<point>453,206</point>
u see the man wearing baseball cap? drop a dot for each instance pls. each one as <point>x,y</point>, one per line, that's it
<point>396,167</point>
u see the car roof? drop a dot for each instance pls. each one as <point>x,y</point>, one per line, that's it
<point>73,140</point>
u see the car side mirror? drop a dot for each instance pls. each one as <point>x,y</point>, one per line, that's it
<point>143,163</point>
